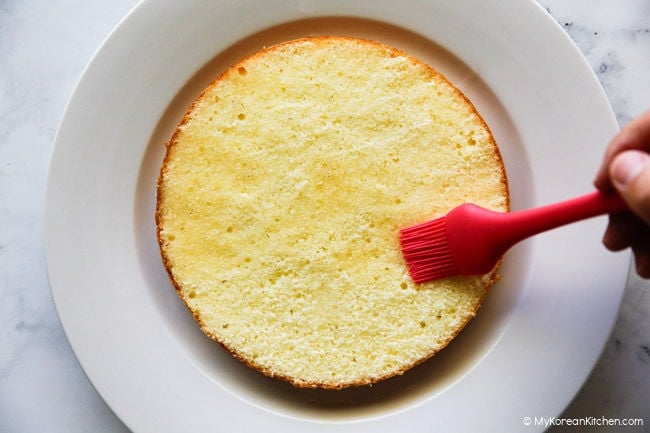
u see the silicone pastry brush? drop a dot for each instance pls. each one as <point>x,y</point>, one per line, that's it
<point>470,240</point>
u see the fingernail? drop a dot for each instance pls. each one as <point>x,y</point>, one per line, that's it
<point>627,166</point>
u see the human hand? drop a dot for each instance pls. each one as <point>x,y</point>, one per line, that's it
<point>626,170</point>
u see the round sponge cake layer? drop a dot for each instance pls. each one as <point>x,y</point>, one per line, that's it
<point>282,194</point>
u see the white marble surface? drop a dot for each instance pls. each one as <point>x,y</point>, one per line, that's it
<point>44,46</point>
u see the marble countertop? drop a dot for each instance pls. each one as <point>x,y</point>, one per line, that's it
<point>44,46</point>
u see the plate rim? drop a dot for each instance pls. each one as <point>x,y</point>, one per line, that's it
<point>143,15</point>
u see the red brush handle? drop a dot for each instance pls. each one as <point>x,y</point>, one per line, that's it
<point>490,234</point>
<point>522,224</point>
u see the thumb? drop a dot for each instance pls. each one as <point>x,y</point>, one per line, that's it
<point>630,174</point>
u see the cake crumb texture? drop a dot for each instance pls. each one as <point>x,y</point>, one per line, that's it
<point>282,194</point>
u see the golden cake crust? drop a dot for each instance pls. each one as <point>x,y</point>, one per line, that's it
<point>226,266</point>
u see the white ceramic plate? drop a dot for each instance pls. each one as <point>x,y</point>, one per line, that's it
<point>527,352</point>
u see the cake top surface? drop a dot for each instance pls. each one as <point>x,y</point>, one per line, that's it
<point>282,194</point>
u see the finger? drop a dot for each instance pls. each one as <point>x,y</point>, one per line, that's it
<point>636,135</point>
<point>630,174</point>
<point>625,230</point>
<point>622,231</point>
<point>641,250</point>
<point>642,259</point>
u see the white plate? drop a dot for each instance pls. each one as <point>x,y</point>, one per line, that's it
<point>527,352</point>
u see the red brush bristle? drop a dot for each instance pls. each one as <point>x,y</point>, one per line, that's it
<point>425,248</point>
